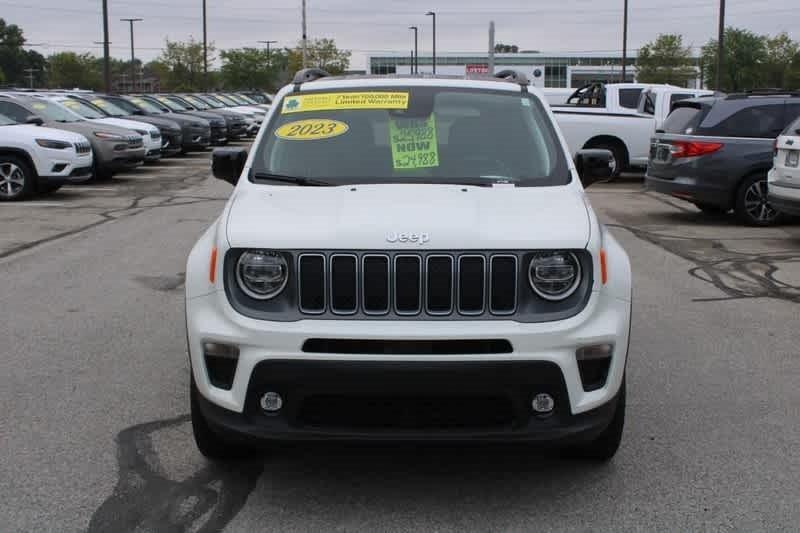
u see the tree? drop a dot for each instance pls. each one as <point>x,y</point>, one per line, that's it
<point>67,70</point>
<point>501,48</point>
<point>321,53</point>
<point>783,62</point>
<point>743,63</point>
<point>14,59</point>
<point>185,63</point>
<point>665,61</point>
<point>250,68</point>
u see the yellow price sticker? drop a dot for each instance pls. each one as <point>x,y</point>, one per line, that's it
<point>335,101</point>
<point>38,106</point>
<point>311,129</point>
<point>71,104</point>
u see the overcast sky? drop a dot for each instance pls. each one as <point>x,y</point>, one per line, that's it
<point>363,27</point>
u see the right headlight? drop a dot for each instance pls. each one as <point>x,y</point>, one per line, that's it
<point>554,275</point>
<point>262,274</point>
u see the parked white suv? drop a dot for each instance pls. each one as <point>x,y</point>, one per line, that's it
<point>783,181</point>
<point>37,159</point>
<point>408,258</point>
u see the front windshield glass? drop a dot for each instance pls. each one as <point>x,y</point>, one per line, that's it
<point>419,134</point>
<point>199,104</point>
<point>112,109</point>
<point>171,104</point>
<point>147,105</point>
<point>53,112</point>
<point>5,121</point>
<point>246,99</point>
<point>225,100</point>
<point>213,102</point>
<point>84,110</point>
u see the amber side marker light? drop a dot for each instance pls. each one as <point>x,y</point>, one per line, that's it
<point>603,267</point>
<point>212,267</point>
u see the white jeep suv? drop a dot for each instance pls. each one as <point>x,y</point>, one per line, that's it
<point>408,258</point>
<point>37,159</point>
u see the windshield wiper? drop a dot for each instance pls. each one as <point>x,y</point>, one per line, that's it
<point>297,180</point>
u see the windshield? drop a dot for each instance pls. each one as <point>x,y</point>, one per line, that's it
<point>225,100</point>
<point>683,120</point>
<point>246,99</point>
<point>147,105</point>
<point>112,109</point>
<point>172,104</point>
<point>420,134</point>
<point>5,121</point>
<point>53,112</point>
<point>199,104</point>
<point>213,102</point>
<point>84,110</point>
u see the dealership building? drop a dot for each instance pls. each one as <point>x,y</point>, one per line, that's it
<point>560,69</point>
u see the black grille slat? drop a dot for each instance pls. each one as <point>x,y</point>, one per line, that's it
<point>375,284</point>
<point>312,284</point>
<point>503,284</point>
<point>439,284</point>
<point>407,284</point>
<point>344,284</point>
<point>471,276</point>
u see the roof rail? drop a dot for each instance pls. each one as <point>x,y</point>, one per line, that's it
<point>514,76</point>
<point>306,75</point>
<point>764,92</point>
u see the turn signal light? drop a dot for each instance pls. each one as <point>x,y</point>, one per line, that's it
<point>603,267</point>
<point>212,267</point>
<point>681,149</point>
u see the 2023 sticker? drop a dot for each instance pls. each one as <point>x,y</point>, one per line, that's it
<point>311,129</point>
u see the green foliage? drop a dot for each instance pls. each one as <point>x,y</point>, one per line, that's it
<point>2,77</point>
<point>184,64</point>
<point>501,48</point>
<point>251,68</point>
<point>666,60</point>
<point>68,70</point>
<point>320,53</point>
<point>743,63</point>
<point>782,68</point>
<point>14,59</point>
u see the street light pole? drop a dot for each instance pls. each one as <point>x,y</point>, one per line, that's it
<point>205,48</point>
<point>106,57</point>
<point>415,65</point>
<point>305,36</point>
<point>720,45</point>
<point>432,14</point>
<point>625,43</point>
<point>133,65</point>
<point>267,43</point>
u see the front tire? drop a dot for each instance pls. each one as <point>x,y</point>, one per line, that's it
<point>752,206</point>
<point>605,445</point>
<point>17,179</point>
<point>210,443</point>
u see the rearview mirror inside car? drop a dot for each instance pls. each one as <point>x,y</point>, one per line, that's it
<point>33,119</point>
<point>593,165</point>
<point>227,164</point>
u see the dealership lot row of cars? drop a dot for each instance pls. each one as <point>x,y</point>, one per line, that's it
<point>48,139</point>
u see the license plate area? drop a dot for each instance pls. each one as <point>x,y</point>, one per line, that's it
<point>792,158</point>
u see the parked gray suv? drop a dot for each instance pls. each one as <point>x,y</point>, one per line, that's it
<point>716,152</point>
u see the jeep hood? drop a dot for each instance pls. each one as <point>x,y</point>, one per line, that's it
<point>454,217</point>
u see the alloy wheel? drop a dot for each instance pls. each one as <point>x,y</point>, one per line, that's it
<point>756,204</point>
<point>12,180</point>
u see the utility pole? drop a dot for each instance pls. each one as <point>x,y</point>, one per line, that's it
<point>267,43</point>
<point>30,72</point>
<point>205,48</point>
<point>415,62</point>
<point>305,36</point>
<point>720,46</point>
<point>133,60</point>
<point>625,44</point>
<point>491,48</point>
<point>106,56</point>
<point>432,14</point>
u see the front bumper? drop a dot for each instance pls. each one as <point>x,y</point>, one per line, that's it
<point>542,359</point>
<point>196,140</point>
<point>388,400</point>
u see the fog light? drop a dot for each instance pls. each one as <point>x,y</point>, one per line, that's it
<point>217,349</point>
<point>543,403</point>
<point>271,402</point>
<point>594,352</point>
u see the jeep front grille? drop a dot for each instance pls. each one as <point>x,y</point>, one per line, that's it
<point>407,284</point>
<point>82,147</point>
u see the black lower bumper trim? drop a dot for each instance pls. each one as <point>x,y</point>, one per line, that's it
<point>408,401</point>
<point>784,205</point>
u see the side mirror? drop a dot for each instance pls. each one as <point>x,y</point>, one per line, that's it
<point>660,131</point>
<point>33,119</point>
<point>593,165</point>
<point>227,164</point>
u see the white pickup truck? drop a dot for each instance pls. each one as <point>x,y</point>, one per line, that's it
<point>657,101</point>
<point>607,116</point>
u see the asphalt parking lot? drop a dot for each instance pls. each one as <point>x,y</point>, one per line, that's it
<point>94,385</point>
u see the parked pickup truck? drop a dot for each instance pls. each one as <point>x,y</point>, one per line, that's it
<point>658,100</point>
<point>608,116</point>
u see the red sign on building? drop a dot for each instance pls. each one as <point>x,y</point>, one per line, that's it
<point>478,68</point>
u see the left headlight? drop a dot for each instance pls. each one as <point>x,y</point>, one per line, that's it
<point>56,145</point>
<point>109,136</point>
<point>554,275</point>
<point>262,274</point>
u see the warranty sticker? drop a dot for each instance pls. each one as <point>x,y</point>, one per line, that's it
<point>414,143</point>
<point>312,129</point>
<point>335,101</point>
